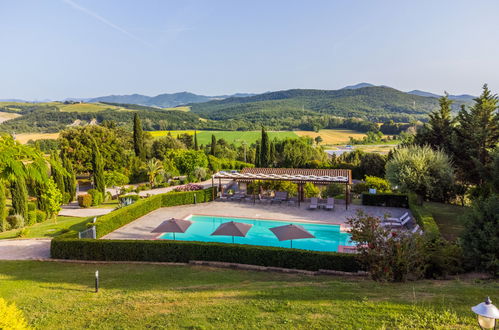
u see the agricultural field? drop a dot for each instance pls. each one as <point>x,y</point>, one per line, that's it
<point>60,295</point>
<point>86,107</point>
<point>333,136</point>
<point>236,137</point>
<point>25,137</point>
<point>7,116</point>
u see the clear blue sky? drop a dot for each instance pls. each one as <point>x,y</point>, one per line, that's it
<point>84,48</point>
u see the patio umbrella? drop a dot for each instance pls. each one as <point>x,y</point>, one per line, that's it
<point>291,232</point>
<point>232,229</point>
<point>173,226</point>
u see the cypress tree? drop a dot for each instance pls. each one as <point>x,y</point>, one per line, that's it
<point>264,149</point>
<point>138,138</point>
<point>70,178</point>
<point>19,193</point>
<point>98,170</point>
<point>258,162</point>
<point>3,199</point>
<point>477,134</point>
<point>272,154</point>
<point>57,175</point>
<point>213,145</point>
<point>196,147</point>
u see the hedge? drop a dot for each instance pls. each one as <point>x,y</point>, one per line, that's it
<point>423,217</point>
<point>386,199</point>
<point>116,219</point>
<point>183,251</point>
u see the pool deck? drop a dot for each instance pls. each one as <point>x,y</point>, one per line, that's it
<point>142,227</point>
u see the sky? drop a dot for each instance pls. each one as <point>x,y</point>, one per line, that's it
<point>54,49</point>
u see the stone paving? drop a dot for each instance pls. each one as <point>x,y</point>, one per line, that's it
<point>24,249</point>
<point>142,227</point>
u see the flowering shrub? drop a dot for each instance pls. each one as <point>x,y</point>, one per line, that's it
<point>189,187</point>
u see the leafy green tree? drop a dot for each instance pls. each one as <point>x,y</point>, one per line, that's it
<point>480,238</point>
<point>3,206</point>
<point>163,144</point>
<point>138,138</point>
<point>186,161</point>
<point>426,172</point>
<point>213,145</point>
<point>381,185</point>
<point>311,190</point>
<point>19,193</point>
<point>52,197</point>
<point>318,139</point>
<point>57,172</point>
<point>440,126</point>
<point>154,170</point>
<point>264,149</point>
<point>115,178</point>
<point>477,133</point>
<point>98,170</point>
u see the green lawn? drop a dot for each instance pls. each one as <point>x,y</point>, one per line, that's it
<point>58,295</point>
<point>448,218</point>
<point>50,228</point>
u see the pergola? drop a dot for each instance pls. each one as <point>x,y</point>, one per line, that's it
<point>300,176</point>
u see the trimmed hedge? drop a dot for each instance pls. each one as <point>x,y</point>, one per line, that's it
<point>85,200</point>
<point>183,251</point>
<point>423,217</point>
<point>116,219</point>
<point>386,199</point>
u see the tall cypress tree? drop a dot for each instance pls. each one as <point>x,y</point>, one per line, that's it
<point>3,199</point>
<point>272,153</point>
<point>138,137</point>
<point>213,145</point>
<point>98,170</point>
<point>477,134</point>
<point>258,162</point>
<point>70,177</point>
<point>196,147</point>
<point>19,193</point>
<point>264,149</point>
<point>55,170</point>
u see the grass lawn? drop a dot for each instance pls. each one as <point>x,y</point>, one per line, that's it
<point>50,228</point>
<point>448,218</point>
<point>59,295</point>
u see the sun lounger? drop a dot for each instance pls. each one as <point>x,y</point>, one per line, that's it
<point>313,203</point>
<point>415,229</point>
<point>399,220</point>
<point>330,203</point>
<point>396,224</point>
<point>279,197</point>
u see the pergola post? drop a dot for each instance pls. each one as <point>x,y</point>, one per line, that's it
<point>212,189</point>
<point>346,196</point>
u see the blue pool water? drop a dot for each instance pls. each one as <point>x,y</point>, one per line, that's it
<point>327,237</point>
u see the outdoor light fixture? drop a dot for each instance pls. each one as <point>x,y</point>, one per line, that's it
<point>487,314</point>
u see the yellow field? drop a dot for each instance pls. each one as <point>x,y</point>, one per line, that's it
<point>333,136</point>
<point>25,137</point>
<point>183,108</point>
<point>7,115</point>
<point>86,107</point>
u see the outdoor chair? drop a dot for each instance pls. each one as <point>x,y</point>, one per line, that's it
<point>262,199</point>
<point>279,197</point>
<point>330,203</point>
<point>313,203</point>
<point>397,224</point>
<point>399,220</point>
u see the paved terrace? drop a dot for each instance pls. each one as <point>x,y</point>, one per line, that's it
<point>142,227</point>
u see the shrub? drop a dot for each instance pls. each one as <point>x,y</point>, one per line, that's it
<point>181,251</point>
<point>22,233</point>
<point>66,198</point>
<point>360,188</point>
<point>423,217</point>
<point>85,200</point>
<point>11,317</point>
<point>31,218</point>
<point>15,221</point>
<point>311,190</point>
<point>381,185</point>
<point>40,216</point>
<point>386,199</point>
<point>97,197</point>
<point>189,187</point>
<point>31,206</point>
<point>132,197</point>
<point>333,190</point>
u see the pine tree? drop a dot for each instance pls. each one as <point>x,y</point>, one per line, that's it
<point>19,193</point>
<point>3,206</point>
<point>196,147</point>
<point>98,170</point>
<point>70,177</point>
<point>264,149</point>
<point>477,135</point>
<point>138,138</point>
<point>213,145</point>
<point>258,162</point>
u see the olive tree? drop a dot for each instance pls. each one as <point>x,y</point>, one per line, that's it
<point>421,170</point>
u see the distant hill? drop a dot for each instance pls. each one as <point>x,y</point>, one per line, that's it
<point>461,98</point>
<point>373,103</point>
<point>357,86</point>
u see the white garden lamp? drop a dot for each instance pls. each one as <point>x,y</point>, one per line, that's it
<point>487,314</point>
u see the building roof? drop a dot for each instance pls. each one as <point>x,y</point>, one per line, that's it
<point>298,175</point>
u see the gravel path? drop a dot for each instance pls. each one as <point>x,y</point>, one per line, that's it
<point>24,249</point>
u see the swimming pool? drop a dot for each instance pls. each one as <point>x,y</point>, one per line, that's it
<point>327,237</point>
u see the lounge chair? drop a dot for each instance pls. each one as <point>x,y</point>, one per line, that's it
<point>399,220</point>
<point>262,199</point>
<point>415,229</point>
<point>280,196</point>
<point>313,203</point>
<point>396,224</point>
<point>330,203</point>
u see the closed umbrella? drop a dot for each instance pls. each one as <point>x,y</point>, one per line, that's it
<point>173,226</point>
<point>232,229</point>
<point>291,232</point>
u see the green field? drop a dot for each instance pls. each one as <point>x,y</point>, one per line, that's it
<point>60,295</point>
<point>449,218</point>
<point>50,228</point>
<point>236,137</point>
